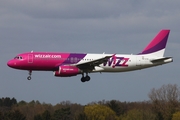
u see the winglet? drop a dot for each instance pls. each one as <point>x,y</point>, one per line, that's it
<point>158,44</point>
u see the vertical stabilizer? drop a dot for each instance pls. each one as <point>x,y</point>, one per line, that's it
<point>157,46</point>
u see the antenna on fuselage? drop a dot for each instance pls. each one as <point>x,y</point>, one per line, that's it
<point>32,51</point>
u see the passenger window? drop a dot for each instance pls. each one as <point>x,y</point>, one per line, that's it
<point>75,59</point>
<point>72,60</point>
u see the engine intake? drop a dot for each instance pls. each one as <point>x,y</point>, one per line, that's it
<point>67,71</point>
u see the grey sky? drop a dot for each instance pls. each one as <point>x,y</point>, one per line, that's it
<point>116,26</point>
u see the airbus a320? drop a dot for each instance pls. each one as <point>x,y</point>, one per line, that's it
<point>72,64</point>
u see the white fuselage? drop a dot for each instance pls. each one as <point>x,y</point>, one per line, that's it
<point>123,62</point>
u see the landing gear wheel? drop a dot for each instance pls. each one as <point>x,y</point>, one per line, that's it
<point>30,73</point>
<point>87,78</point>
<point>29,77</point>
<point>83,79</point>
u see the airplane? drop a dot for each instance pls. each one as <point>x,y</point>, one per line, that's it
<point>72,64</point>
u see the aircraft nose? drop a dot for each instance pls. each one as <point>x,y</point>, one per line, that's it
<point>11,63</point>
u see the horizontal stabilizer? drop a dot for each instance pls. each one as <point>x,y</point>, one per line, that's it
<point>166,59</point>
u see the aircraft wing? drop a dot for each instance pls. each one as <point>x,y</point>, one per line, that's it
<point>89,65</point>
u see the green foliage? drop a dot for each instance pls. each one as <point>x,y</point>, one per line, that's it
<point>176,116</point>
<point>14,115</point>
<point>164,104</point>
<point>81,116</point>
<point>120,108</point>
<point>62,114</point>
<point>38,117</point>
<point>17,115</point>
<point>113,104</point>
<point>22,102</point>
<point>46,115</point>
<point>133,114</point>
<point>99,112</point>
<point>136,114</point>
<point>7,102</point>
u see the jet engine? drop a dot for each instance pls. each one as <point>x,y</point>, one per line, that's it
<point>67,71</point>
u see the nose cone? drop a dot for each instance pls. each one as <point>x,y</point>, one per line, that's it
<point>11,63</point>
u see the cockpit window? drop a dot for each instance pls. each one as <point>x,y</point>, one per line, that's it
<point>18,57</point>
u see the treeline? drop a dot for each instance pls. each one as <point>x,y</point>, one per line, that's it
<point>164,104</point>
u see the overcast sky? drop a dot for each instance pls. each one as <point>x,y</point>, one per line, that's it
<point>87,26</point>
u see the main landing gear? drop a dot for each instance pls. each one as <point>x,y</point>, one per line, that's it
<point>30,73</point>
<point>86,78</point>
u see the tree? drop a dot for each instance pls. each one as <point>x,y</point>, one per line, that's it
<point>99,112</point>
<point>62,114</point>
<point>1,102</point>
<point>38,117</point>
<point>13,101</point>
<point>17,115</point>
<point>22,102</point>
<point>133,114</point>
<point>1,115</point>
<point>46,115</point>
<point>114,106</point>
<point>7,102</point>
<point>176,116</point>
<point>137,114</point>
<point>14,115</point>
<point>165,101</point>
<point>81,116</point>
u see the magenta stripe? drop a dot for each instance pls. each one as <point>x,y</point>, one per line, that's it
<point>158,43</point>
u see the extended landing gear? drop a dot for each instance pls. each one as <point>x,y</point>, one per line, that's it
<point>86,78</point>
<point>30,73</point>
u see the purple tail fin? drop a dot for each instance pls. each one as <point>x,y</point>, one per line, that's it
<point>158,43</point>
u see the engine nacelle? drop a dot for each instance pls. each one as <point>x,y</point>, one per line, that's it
<point>67,71</point>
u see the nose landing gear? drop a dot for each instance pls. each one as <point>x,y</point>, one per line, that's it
<point>30,73</point>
